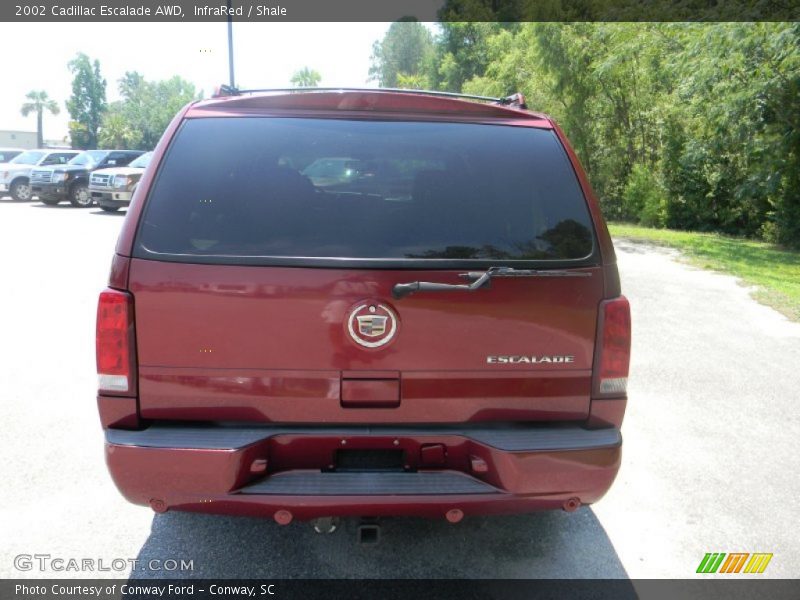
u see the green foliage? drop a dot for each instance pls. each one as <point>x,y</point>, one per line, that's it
<point>116,132</point>
<point>411,82</point>
<point>88,101</point>
<point>39,102</point>
<point>614,11</point>
<point>306,77</point>
<point>139,119</point>
<point>644,198</point>
<point>462,52</point>
<point>405,50</point>
<point>709,114</point>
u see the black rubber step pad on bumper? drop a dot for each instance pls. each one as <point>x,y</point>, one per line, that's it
<point>312,483</point>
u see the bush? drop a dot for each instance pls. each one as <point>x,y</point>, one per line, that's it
<point>644,198</point>
<point>787,225</point>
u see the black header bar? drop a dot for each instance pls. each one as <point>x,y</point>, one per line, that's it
<point>397,589</point>
<point>105,11</point>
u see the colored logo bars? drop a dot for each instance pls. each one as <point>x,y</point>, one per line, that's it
<point>735,562</point>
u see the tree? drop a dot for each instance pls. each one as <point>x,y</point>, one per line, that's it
<point>689,125</point>
<point>462,52</point>
<point>147,107</point>
<point>405,50</point>
<point>411,82</point>
<point>306,77</point>
<point>88,101</point>
<point>116,132</point>
<point>39,102</point>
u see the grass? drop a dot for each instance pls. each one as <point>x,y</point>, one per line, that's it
<point>774,271</point>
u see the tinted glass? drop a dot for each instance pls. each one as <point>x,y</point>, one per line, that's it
<point>119,159</point>
<point>88,158</point>
<point>81,159</point>
<point>27,158</point>
<point>64,157</point>
<point>7,155</point>
<point>56,158</point>
<point>275,187</point>
<point>97,155</point>
<point>142,161</point>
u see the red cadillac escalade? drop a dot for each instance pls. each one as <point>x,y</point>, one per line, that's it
<point>331,303</point>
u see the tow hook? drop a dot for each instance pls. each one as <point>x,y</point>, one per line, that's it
<point>325,524</point>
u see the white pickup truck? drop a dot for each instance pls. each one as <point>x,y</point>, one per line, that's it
<point>15,174</point>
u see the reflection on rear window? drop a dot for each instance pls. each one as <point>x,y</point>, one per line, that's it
<point>284,187</point>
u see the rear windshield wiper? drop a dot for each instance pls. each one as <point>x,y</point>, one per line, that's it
<point>479,279</point>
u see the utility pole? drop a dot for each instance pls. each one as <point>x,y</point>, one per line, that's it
<point>230,46</point>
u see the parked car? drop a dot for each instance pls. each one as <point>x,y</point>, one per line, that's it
<point>454,343</point>
<point>113,188</point>
<point>6,154</point>
<point>71,181</point>
<point>15,174</point>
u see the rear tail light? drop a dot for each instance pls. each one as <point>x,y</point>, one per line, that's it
<point>614,348</point>
<point>115,341</point>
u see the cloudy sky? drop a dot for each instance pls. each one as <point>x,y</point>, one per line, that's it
<point>35,57</point>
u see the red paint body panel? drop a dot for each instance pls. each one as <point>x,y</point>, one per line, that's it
<point>243,317</point>
<point>370,393</point>
<point>606,413</point>
<point>254,344</point>
<point>117,412</point>
<point>207,480</point>
<point>365,103</point>
<point>222,339</point>
<point>427,397</point>
<point>118,277</point>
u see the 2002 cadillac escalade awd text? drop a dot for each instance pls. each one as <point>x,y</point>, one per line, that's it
<point>330,303</point>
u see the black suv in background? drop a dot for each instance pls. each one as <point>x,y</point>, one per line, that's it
<point>71,181</point>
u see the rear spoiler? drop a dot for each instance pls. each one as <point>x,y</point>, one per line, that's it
<point>516,100</point>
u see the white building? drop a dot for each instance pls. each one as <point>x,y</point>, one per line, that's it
<point>18,139</point>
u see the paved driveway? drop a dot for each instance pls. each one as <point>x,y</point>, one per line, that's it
<point>710,461</point>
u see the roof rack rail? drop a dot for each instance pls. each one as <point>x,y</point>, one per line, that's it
<point>517,100</point>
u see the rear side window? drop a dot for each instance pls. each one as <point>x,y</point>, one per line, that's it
<point>266,190</point>
<point>118,159</point>
<point>7,155</point>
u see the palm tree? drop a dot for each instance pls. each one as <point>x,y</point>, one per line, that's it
<point>39,102</point>
<point>115,132</point>
<point>306,77</point>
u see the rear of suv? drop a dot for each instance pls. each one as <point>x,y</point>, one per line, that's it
<point>332,303</point>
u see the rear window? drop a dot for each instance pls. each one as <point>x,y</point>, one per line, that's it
<point>266,190</point>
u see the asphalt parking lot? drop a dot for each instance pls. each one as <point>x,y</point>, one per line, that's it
<point>710,458</point>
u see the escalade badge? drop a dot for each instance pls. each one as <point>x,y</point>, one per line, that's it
<point>372,324</point>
